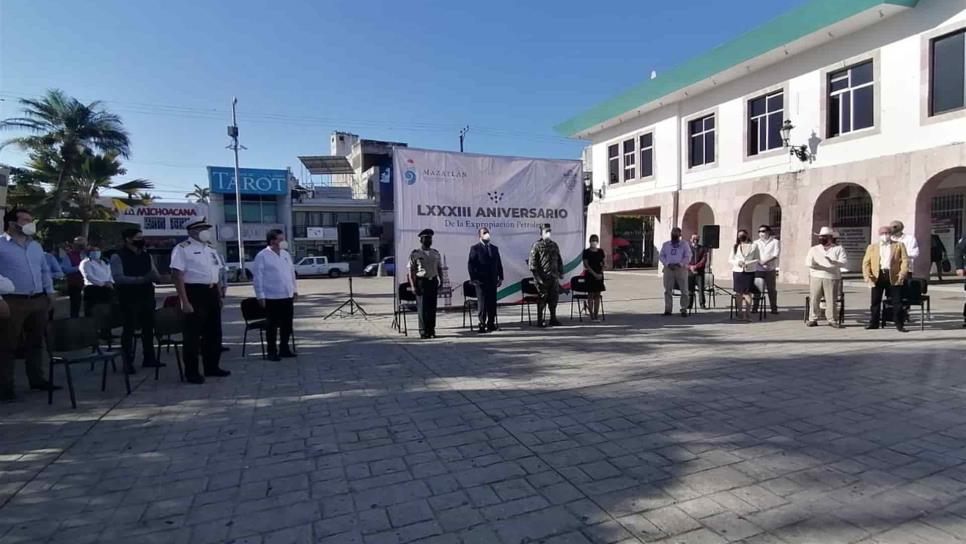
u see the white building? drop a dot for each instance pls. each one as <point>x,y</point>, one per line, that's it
<point>875,92</point>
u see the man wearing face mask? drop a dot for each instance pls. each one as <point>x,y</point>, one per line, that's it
<point>425,273</point>
<point>135,274</point>
<point>22,262</point>
<point>675,256</point>
<point>546,265</point>
<point>195,270</point>
<point>697,268</point>
<point>273,278</point>
<point>486,272</point>
<point>885,268</point>
<point>825,263</point>
<point>769,249</point>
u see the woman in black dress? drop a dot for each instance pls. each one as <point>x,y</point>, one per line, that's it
<point>594,265</point>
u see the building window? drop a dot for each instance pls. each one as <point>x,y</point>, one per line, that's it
<point>851,100</point>
<point>647,155</point>
<point>947,71</point>
<point>701,138</point>
<point>629,161</point>
<point>765,117</point>
<point>613,163</point>
<point>254,209</point>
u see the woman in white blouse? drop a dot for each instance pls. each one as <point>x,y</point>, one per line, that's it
<point>744,262</point>
<point>98,282</point>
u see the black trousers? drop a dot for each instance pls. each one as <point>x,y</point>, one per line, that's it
<point>75,292</point>
<point>137,312</point>
<point>894,293</point>
<point>94,295</point>
<point>486,299</point>
<point>202,329</point>
<point>426,305</point>
<point>279,313</point>
<point>548,292</point>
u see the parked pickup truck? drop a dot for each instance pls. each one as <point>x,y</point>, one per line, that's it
<point>320,266</point>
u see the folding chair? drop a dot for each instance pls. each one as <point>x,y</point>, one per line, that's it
<point>471,301</point>
<point>840,302</point>
<point>531,296</point>
<point>168,331</point>
<point>68,336</point>
<point>254,316</point>
<point>405,303</point>
<point>912,295</point>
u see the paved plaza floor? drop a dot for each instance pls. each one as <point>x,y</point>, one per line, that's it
<point>638,429</point>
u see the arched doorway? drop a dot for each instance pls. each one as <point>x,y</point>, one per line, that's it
<point>761,209</point>
<point>940,220</point>
<point>847,208</point>
<point>695,218</point>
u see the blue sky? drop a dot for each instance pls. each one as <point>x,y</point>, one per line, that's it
<point>409,71</point>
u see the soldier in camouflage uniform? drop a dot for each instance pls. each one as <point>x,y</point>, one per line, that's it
<point>425,275</point>
<point>547,269</point>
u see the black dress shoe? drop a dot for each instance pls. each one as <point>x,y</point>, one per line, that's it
<point>900,328</point>
<point>287,355</point>
<point>492,328</point>
<point>870,327</point>
<point>274,358</point>
<point>194,378</point>
<point>218,373</point>
<point>44,386</point>
<point>555,323</point>
<point>482,330</point>
<point>425,336</point>
<point>225,348</point>
<point>666,313</point>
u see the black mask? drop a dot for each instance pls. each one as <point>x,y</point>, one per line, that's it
<point>138,244</point>
<point>675,238</point>
<point>742,237</point>
<point>426,241</point>
<point>824,240</point>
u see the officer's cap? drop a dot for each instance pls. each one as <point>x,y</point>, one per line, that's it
<point>198,224</point>
<point>426,232</point>
<point>545,227</point>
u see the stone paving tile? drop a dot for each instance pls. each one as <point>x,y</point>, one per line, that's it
<point>633,430</point>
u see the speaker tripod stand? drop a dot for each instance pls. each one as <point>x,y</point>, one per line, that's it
<point>349,307</point>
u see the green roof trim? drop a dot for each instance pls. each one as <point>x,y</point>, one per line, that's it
<point>793,25</point>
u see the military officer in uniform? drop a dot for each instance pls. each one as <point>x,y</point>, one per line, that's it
<point>547,269</point>
<point>195,268</point>
<point>425,273</point>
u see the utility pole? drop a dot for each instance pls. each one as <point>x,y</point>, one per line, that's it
<point>463,132</point>
<point>233,134</point>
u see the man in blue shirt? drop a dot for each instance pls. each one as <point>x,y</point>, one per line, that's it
<point>23,262</point>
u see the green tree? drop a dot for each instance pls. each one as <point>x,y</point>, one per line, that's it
<point>199,195</point>
<point>61,125</point>
<point>95,174</point>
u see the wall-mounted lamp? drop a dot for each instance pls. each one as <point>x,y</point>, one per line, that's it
<point>803,153</point>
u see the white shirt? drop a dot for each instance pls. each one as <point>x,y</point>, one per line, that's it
<point>826,264</point>
<point>6,286</point>
<point>273,275</point>
<point>679,254</point>
<point>885,255</point>
<point>767,249</point>
<point>95,272</point>
<point>744,262</point>
<point>198,263</point>
<point>912,247</point>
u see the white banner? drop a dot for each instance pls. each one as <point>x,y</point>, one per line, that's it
<point>455,194</point>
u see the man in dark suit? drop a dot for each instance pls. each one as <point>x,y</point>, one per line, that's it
<point>486,273</point>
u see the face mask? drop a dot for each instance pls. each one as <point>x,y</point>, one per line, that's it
<point>824,240</point>
<point>94,255</point>
<point>204,236</point>
<point>138,244</point>
<point>29,229</point>
<point>546,235</point>
<point>763,235</point>
<point>427,242</point>
<point>486,237</point>
<point>283,245</point>
<point>896,231</point>
<point>884,238</point>
<point>675,238</point>
<point>742,237</point>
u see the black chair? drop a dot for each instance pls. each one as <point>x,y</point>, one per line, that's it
<point>471,301</point>
<point>405,304</point>
<point>255,319</point>
<point>912,295</point>
<point>926,298</point>
<point>168,331</point>
<point>69,336</point>
<point>530,297</point>
<point>108,317</point>
<point>579,295</point>
<point>710,293</point>
<point>840,315</point>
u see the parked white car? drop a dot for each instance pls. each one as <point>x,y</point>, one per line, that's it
<point>320,266</point>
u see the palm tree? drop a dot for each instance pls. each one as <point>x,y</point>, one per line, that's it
<point>199,195</point>
<point>93,176</point>
<point>63,125</point>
